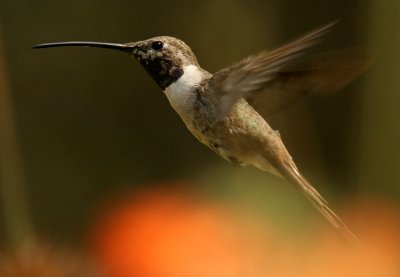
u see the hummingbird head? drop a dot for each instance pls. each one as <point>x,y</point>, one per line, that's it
<point>163,57</point>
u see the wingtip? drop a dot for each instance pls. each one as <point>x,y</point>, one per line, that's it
<point>328,27</point>
<point>332,24</point>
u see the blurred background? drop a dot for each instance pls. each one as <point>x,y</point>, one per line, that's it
<point>79,128</point>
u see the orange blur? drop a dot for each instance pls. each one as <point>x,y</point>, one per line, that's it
<point>162,233</point>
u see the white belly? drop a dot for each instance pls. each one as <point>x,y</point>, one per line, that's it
<point>181,93</point>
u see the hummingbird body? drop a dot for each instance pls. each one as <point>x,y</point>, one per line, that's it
<point>240,138</point>
<point>215,109</point>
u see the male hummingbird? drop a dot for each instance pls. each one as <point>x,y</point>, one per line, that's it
<point>215,109</point>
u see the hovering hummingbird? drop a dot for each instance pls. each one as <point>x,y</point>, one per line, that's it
<point>215,109</point>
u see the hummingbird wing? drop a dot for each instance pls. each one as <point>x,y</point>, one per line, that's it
<point>285,165</point>
<point>294,176</point>
<point>322,75</point>
<point>270,76</point>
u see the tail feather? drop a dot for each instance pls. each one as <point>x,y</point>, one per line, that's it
<point>290,172</point>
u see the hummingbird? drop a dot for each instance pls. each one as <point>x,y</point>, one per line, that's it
<point>216,107</point>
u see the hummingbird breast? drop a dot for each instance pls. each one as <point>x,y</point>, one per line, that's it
<point>241,138</point>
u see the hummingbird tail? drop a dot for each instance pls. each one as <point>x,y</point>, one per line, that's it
<point>290,172</point>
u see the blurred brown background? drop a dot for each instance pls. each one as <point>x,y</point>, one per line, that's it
<point>89,122</point>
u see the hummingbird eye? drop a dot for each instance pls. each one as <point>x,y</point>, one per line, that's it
<point>157,45</point>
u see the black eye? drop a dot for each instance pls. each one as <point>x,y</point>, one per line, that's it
<point>157,45</point>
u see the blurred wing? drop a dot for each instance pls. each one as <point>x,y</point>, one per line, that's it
<point>322,74</point>
<point>254,73</point>
<point>290,171</point>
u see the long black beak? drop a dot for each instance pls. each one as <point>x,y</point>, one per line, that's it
<point>114,46</point>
